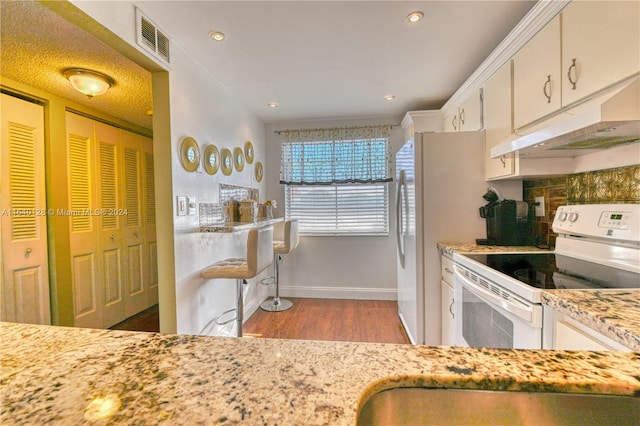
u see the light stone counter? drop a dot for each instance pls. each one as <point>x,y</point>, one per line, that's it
<point>450,247</point>
<point>54,375</point>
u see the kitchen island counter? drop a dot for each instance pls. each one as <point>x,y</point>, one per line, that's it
<point>57,375</point>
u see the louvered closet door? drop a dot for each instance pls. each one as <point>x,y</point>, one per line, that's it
<point>83,226</point>
<point>136,290</point>
<point>151,245</point>
<point>25,282</point>
<point>110,223</point>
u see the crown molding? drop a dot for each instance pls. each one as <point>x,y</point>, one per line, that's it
<point>539,15</point>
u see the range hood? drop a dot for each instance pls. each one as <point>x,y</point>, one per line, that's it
<point>605,121</point>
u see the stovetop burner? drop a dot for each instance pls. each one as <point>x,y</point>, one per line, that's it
<point>554,271</point>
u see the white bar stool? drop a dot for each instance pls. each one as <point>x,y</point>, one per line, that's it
<point>259,257</point>
<point>289,243</point>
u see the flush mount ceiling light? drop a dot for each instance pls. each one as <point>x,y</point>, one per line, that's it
<point>216,35</point>
<point>389,97</point>
<point>272,105</point>
<point>415,17</point>
<point>87,82</point>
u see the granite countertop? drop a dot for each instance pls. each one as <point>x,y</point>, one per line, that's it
<point>614,313</point>
<point>56,375</point>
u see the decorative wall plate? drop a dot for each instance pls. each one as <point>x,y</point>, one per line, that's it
<point>189,154</point>
<point>238,159</point>
<point>226,161</point>
<point>248,152</point>
<point>211,159</point>
<point>259,172</point>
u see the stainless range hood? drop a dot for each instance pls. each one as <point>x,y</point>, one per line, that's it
<point>606,121</point>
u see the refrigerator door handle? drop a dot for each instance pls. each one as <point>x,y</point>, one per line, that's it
<point>400,195</point>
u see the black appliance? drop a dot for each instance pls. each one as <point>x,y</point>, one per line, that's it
<point>507,221</point>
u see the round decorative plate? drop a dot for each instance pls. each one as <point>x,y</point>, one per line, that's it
<point>226,161</point>
<point>238,159</point>
<point>189,154</point>
<point>259,172</point>
<point>248,152</point>
<point>211,159</point>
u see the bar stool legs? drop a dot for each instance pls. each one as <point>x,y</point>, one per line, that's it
<point>276,304</point>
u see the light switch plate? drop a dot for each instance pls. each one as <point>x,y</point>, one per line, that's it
<point>192,206</point>
<point>182,205</point>
<point>539,206</point>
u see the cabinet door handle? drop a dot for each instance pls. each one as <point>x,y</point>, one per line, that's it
<point>462,116</point>
<point>571,72</point>
<point>27,252</point>
<point>503,161</point>
<point>450,309</point>
<point>547,84</point>
<point>135,234</point>
<point>454,122</point>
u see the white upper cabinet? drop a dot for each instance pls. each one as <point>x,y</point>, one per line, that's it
<point>600,46</point>
<point>465,117</point>
<point>498,125</point>
<point>590,46</point>
<point>536,76</point>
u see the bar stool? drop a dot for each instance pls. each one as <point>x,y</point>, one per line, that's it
<point>289,243</point>
<point>259,257</point>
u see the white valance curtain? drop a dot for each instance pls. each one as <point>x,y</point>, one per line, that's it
<point>336,156</point>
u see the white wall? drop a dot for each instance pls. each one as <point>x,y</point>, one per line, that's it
<point>334,267</point>
<point>188,101</point>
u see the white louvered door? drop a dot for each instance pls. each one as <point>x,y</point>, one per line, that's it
<point>83,236</point>
<point>25,281</point>
<point>111,222</point>
<point>151,249</point>
<point>136,291</point>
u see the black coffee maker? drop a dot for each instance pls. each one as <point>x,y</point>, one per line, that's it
<point>507,221</point>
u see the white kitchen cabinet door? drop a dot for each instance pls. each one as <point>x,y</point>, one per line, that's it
<point>498,122</point>
<point>451,121</point>
<point>603,38</point>
<point>470,113</point>
<point>25,276</point>
<point>536,76</point>
<point>448,318</point>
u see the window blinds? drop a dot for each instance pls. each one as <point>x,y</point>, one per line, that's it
<point>336,180</point>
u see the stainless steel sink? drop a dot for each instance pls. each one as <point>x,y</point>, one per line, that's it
<point>426,406</point>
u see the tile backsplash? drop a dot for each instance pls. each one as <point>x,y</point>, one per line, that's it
<point>619,185</point>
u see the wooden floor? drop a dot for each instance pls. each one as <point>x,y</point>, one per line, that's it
<point>147,320</point>
<point>370,321</point>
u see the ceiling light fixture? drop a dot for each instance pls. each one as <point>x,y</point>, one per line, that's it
<point>87,82</point>
<point>415,17</point>
<point>389,97</point>
<point>272,105</point>
<point>216,35</point>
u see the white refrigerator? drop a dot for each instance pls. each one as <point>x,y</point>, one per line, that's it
<point>439,186</point>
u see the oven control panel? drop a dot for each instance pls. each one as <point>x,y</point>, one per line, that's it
<point>614,221</point>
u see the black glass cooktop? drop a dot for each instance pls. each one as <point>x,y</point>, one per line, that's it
<point>554,271</point>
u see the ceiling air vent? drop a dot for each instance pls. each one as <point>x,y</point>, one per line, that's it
<point>151,38</point>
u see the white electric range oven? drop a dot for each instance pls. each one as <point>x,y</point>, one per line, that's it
<point>497,295</point>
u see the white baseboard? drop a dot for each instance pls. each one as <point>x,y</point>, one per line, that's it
<point>357,293</point>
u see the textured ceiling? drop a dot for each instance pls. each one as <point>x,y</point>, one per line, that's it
<point>37,44</point>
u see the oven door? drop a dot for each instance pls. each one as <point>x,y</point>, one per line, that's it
<point>492,317</point>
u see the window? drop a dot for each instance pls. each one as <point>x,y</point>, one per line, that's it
<point>336,180</point>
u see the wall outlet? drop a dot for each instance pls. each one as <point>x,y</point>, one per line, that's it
<point>182,206</point>
<point>539,206</point>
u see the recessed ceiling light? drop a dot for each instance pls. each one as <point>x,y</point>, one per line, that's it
<point>272,105</point>
<point>389,97</point>
<point>415,17</point>
<point>216,35</point>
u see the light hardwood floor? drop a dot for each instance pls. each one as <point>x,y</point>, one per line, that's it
<point>370,321</point>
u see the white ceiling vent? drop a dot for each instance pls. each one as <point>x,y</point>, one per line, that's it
<point>151,38</point>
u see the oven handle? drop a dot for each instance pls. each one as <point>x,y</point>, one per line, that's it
<point>521,311</point>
